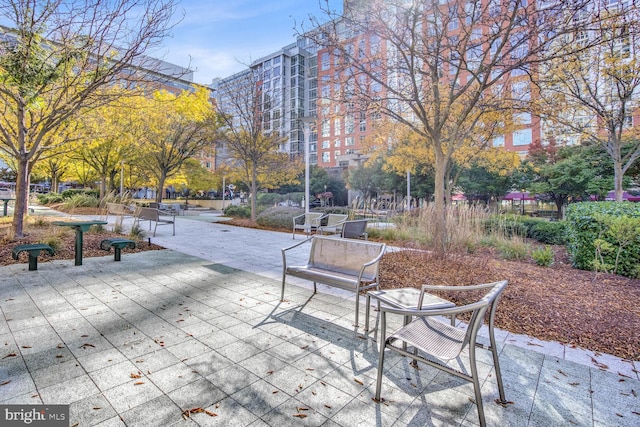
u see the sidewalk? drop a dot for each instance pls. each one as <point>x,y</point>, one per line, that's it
<point>200,325</point>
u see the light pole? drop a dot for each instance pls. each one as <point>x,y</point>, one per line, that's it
<point>121,179</point>
<point>306,122</point>
<point>224,186</point>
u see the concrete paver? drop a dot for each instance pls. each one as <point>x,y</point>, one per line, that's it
<point>200,325</point>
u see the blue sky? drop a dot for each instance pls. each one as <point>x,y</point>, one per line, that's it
<point>218,37</point>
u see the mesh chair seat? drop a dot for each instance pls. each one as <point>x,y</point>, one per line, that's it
<point>432,336</point>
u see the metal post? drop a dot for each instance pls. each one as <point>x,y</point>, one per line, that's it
<point>224,186</point>
<point>408,190</point>
<point>121,178</point>
<point>307,136</point>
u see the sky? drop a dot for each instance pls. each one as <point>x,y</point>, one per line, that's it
<point>217,38</point>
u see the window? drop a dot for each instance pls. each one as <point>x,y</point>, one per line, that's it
<point>325,143</point>
<point>337,143</point>
<point>522,137</point>
<point>325,61</point>
<point>348,141</point>
<point>498,141</point>
<point>520,91</point>
<point>326,157</point>
<point>326,128</point>
<point>337,126</point>
<point>336,154</point>
<point>522,118</point>
<point>349,124</point>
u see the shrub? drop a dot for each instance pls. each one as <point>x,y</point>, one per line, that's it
<point>67,194</point>
<point>269,199</point>
<point>50,198</point>
<point>237,211</point>
<point>505,225</point>
<point>513,250</point>
<point>543,256</point>
<point>53,241</point>
<point>81,200</point>
<point>278,217</point>
<point>137,233</point>
<point>548,232</point>
<point>604,236</point>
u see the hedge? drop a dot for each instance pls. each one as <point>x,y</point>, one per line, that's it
<point>604,236</point>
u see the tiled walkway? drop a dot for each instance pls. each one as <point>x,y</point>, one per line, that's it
<point>200,327</point>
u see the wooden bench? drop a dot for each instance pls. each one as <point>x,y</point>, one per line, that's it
<point>118,245</point>
<point>348,264</point>
<point>34,251</point>
<point>154,215</point>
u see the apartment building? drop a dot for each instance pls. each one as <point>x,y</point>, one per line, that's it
<point>317,81</point>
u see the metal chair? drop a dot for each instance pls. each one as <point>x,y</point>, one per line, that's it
<point>435,342</point>
<point>355,229</point>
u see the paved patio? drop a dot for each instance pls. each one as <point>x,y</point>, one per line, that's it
<point>200,327</point>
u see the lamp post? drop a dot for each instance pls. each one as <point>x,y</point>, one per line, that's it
<point>121,178</point>
<point>224,186</point>
<point>306,122</point>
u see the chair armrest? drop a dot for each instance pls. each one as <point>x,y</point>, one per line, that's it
<point>446,312</point>
<point>316,222</point>
<point>458,288</point>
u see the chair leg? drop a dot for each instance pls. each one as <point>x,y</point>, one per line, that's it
<point>381,356</point>
<point>496,363</point>
<point>476,384</point>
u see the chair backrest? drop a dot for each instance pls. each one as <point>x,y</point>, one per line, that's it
<point>115,208</point>
<point>488,302</point>
<point>354,229</point>
<point>346,256</point>
<point>148,214</point>
<point>312,218</point>
<point>335,219</point>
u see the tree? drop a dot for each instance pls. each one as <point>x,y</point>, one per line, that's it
<point>54,63</point>
<point>489,175</point>
<point>107,140</point>
<point>247,138</point>
<point>592,94</point>
<point>446,66</point>
<point>172,129</point>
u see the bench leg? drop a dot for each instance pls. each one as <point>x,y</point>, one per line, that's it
<point>315,289</point>
<point>33,262</point>
<point>116,254</point>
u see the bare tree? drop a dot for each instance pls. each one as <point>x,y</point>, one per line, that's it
<point>439,68</point>
<point>54,61</point>
<point>248,138</point>
<point>592,94</point>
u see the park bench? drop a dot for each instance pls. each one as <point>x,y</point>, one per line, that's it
<point>117,245</point>
<point>154,215</point>
<point>348,264</point>
<point>307,222</point>
<point>34,251</point>
<point>120,211</point>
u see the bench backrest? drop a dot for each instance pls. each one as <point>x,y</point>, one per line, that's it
<point>116,209</point>
<point>312,218</point>
<point>148,214</point>
<point>346,256</point>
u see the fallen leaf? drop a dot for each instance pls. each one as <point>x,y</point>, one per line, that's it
<point>300,415</point>
<point>211,414</point>
<point>138,383</point>
<point>135,375</point>
<point>10,355</point>
<point>5,382</point>
<point>26,346</point>
<point>358,381</point>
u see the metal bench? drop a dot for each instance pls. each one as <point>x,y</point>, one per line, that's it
<point>120,211</point>
<point>348,264</point>
<point>154,215</point>
<point>34,251</point>
<point>118,245</point>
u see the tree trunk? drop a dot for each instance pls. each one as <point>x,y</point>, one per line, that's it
<point>617,181</point>
<point>440,226</point>
<point>160,189</point>
<point>22,194</point>
<point>254,193</point>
